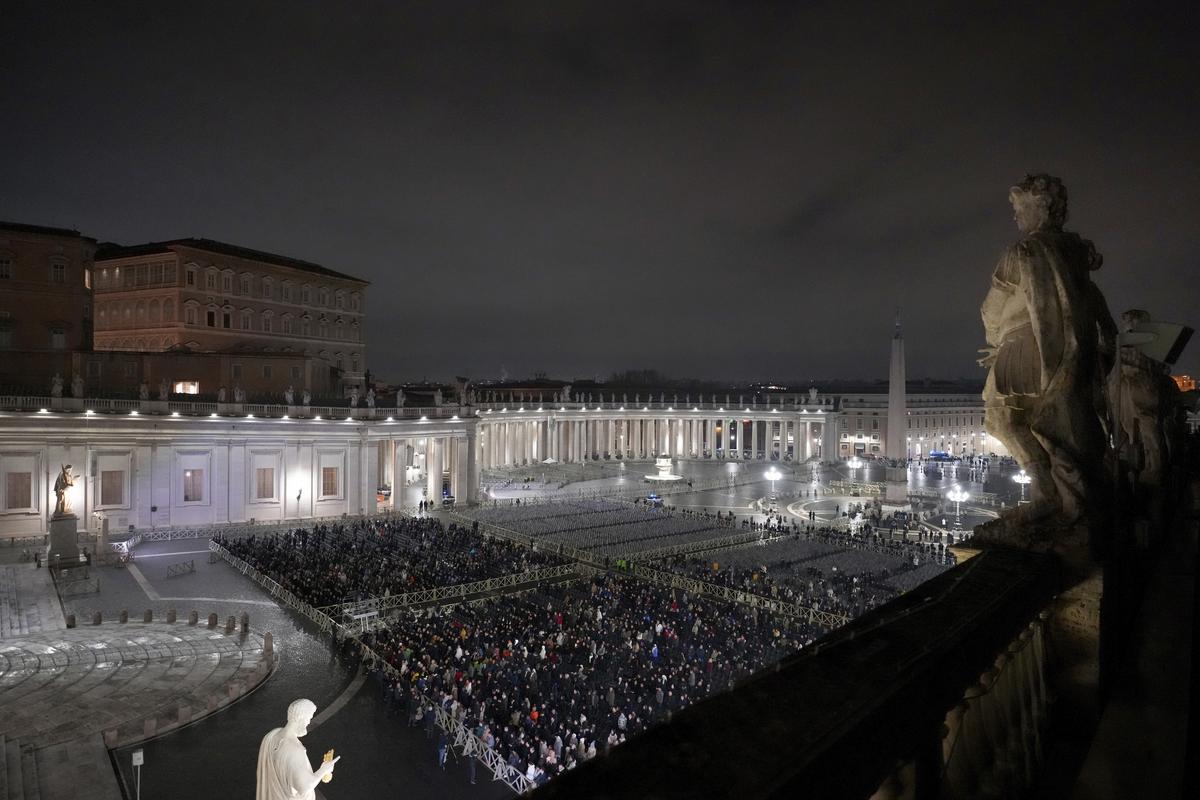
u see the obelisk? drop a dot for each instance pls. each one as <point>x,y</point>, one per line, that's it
<point>896,449</point>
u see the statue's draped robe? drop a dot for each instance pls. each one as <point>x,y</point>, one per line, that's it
<point>1048,325</point>
<point>283,769</point>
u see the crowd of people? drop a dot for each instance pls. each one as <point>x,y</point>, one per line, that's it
<point>379,557</point>
<point>552,679</point>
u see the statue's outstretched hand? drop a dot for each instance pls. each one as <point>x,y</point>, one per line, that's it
<point>326,767</point>
<point>989,356</point>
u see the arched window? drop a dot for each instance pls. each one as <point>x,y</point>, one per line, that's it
<point>168,313</point>
<point>155,311</point>
<point>306,294</point>
<point>267,322</point>
<point>354,362</point>
<point>305,325</point>
<point>247,284</point>
<point>323,296</point>
<point>227,281</point>
<point>190,314</point>
<point>247,319</point>
<point>101,315</point>
<point>286,324</point>
<point>339,300</point>
<point>268,288</point>
<point>322,328</point>
<point>141,312</point>
<point>354,301</point>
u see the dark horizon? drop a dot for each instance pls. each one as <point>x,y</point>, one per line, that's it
<point>726,192</point>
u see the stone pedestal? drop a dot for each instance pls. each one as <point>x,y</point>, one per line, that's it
<point>895,497</point>
<point>64,538</point>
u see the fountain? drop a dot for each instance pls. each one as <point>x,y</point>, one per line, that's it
<point>663,465</point>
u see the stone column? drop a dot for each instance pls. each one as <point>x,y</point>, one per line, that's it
<point>433,470</point>
<point>753,439</point>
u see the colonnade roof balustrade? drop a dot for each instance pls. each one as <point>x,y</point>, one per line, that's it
<point>88,406</point>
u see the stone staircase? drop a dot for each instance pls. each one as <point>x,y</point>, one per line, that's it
<point>18,771</point>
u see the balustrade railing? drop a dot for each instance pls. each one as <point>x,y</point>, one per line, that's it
<point>204,408</point>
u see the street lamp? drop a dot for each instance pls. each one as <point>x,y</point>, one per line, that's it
<point>1024,479</point>
<point>772,475</point>
<point>958,497</point>
<point>854,463</point>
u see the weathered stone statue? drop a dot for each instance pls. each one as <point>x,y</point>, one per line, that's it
<point>77,386</point>
<point>62,495</point>
<point>437,397</point>
<point>354,397</point>
<point>370,398</point>
<point>289,395</point>
<point>144,391</point>
<point>221,395</point>
<point>164,390</point>
<point>812,395</point>
<point>56,385</point>
<point>284,772</point>
<point>239,394</point>
<point>399,398</point>
<point>306,398</point>
<point>1144,400</point>
<point>1050,340</point>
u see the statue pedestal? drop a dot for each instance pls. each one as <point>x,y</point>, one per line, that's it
<point>64,538</point>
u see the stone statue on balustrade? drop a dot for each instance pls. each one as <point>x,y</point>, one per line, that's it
<point>289,395</point>
<point>354,397</point>
<point>1145,402</point>
<point>221,393</point>
<point>306,398</point>
<point>76,385</point>
<point>437,398</point>
<point>56,385</point>
<point>239,394</point>
<point>164,390</point>
<point>371,398</point>
<point>566,394</point>
<point>399,398</point>
<point>144,391</point>
<point>62,494</point>
<point>284,771</point>
<point>1050,344</point>
<point>812,395</point>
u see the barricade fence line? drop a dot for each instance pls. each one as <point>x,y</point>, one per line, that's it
<point>462,737</point>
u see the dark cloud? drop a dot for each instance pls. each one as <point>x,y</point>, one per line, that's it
<point>720,190</point>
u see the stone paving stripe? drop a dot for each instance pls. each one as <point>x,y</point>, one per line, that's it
<point>341,700</point>
<point>145,584</point>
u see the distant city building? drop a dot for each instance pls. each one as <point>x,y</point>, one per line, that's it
<point>45,288</point>
<point>209,296</point>
<point>1186,383</point>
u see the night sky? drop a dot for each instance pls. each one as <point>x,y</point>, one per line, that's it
<point>742,192</point>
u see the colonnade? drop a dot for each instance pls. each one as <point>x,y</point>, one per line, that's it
<point>442,462</point>
<point>522,438</point>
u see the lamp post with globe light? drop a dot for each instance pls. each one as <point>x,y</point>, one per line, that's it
<point>1024,479</point>
<point>958,497</point>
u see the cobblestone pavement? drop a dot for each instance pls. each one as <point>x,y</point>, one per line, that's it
<point>28,603</point>
<point>69,684</point>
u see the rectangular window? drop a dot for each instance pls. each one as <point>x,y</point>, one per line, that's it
<point>237,371</point>
<point>193,485</point>
<point>267,371</point>
<point>5,338</point>
<point>189,315</point>
<point>58,273</point>
<point>210,280</point>
<point>112,487</point>
<point>295,373</point>
<point>329,481</point>
<point>212,319</point>
<point>246,286</point>
<point>186,387</point>
<point>264,480</point>
<point>58,339</point>
<point>266,324</point>
<point>227,320</point>
<point>5,269</point>
<point>191,277</point>
<point>227,283</point>
<point>18,490</point>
